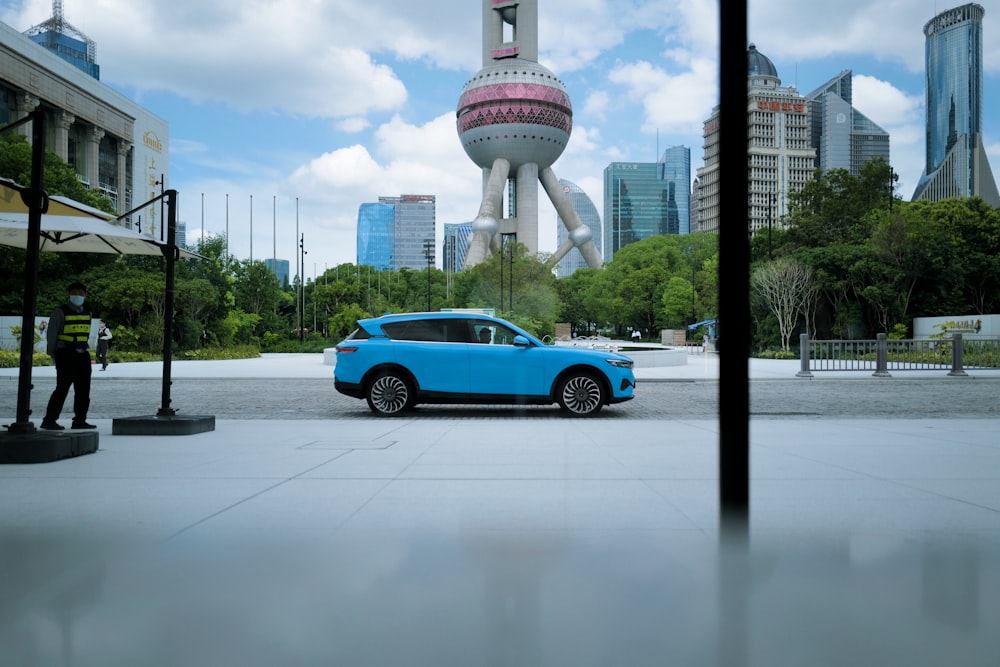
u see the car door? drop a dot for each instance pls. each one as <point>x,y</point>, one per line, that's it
<point>498,367</point>
<point>425,348</point>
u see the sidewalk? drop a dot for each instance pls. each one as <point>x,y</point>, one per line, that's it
<point>529,541</point>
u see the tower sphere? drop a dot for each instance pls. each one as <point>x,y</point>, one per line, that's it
<point>514,109</point>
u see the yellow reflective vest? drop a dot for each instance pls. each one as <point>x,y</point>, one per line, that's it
<point>75,329</point>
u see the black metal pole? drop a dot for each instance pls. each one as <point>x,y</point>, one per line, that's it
<point>302,287</point>
<point>429,254</point>
<point>501,273</point>
<point>770,219</point>
<point>510,291</point>
<point>734,273</point>
<point>170,252</point>
<point>37,202</point>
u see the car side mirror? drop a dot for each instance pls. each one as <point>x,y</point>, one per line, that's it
<point>521,340</point>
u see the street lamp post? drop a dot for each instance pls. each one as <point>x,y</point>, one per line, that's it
<point>506,240</point>
<point>770,220</point>
<point>429,254</point>
<point>302,291</point>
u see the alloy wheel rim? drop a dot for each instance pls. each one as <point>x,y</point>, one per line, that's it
<point>389,394</point>
<point>582,395</point>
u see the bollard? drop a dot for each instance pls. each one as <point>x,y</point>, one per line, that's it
<point>804,357</point>
<point>956,357</point>
<point>881,357</point>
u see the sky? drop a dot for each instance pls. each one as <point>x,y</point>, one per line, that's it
<point>292,114</point>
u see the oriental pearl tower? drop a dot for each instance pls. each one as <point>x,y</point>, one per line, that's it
<point>514,119</point>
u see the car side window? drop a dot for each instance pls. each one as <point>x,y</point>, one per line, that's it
<point>432,331</point>
<point>492,333</point>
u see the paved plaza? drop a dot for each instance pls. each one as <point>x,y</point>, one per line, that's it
<point>525,541</point>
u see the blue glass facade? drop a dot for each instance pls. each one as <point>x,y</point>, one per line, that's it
<point>675,171</point>
<point>280,270</point>
<point>457,238</point>
<point>644,199</point>
<point>956,164</point>
<point>376,232</point>
<point>74,51</point>
<point>954,51</point>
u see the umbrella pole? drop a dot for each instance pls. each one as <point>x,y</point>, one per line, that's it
<point>37,202</point>
<point>170,252</point>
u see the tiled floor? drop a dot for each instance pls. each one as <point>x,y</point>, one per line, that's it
<point>530,542</point>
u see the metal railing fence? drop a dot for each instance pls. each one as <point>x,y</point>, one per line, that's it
<point>953,354</point>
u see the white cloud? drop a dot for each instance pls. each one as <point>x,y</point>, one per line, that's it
<point>378,75</point>
<point>902,116</point>
<point>353,125</point>
<point>675,103</point>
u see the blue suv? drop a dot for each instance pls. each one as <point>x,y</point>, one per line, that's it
<point>398,361</point>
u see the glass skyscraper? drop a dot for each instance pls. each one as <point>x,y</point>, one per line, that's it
<point>674,169</point>
<point>956,164</point>
<point>376,231</point>
<point>589,216</point>
<point>457,237</point>
<point>280,269</point>
<point>634,204</point>
<point>393,233</point>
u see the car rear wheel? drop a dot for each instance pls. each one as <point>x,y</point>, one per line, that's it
<point>581,395</point>
<point>390,393</point>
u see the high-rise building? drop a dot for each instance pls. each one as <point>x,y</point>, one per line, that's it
<point>956,163</point>
<point>634,204</point>
<point>279,267</point>
<point>780,157</point>
<point>394,232</point>
<point>589,216</point>
<point>457,237</point>
<point>695,224</point>
<point>675,170</point>
<point>376,235</point>
<point>843,137</point>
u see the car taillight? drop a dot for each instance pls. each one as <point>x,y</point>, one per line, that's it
<point>344,350</point>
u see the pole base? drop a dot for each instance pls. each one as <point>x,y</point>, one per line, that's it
<point>46,446</point>
<point>163,425</point>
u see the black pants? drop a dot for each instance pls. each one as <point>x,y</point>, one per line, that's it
<point>102,353</point>
<point>72,370</point>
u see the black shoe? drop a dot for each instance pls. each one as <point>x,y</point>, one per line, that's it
<point>78,425</point>
<point>52,425</point>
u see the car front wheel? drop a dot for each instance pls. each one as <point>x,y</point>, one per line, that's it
<point>389,393</point>
<point>581,395</point>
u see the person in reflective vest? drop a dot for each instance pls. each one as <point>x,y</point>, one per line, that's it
<point>68,334</point>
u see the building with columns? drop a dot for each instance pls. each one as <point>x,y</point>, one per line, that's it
<point>116,146</point>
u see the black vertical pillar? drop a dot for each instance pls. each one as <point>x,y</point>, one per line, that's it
<point>734,272</point>
<point>37,203</point>
<point>171,253</point>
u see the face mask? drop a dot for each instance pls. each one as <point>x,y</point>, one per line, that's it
<point>76,299</point>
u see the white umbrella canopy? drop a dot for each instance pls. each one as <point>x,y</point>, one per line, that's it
<point>65,233</point>
<point>70,226</point>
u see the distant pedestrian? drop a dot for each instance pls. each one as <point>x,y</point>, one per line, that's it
<point>103,343</point>
<point>704,343</point>
<point>636,335</point>
<point>67,344</point>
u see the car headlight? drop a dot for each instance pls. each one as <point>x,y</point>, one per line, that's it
<point>620,363</point>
